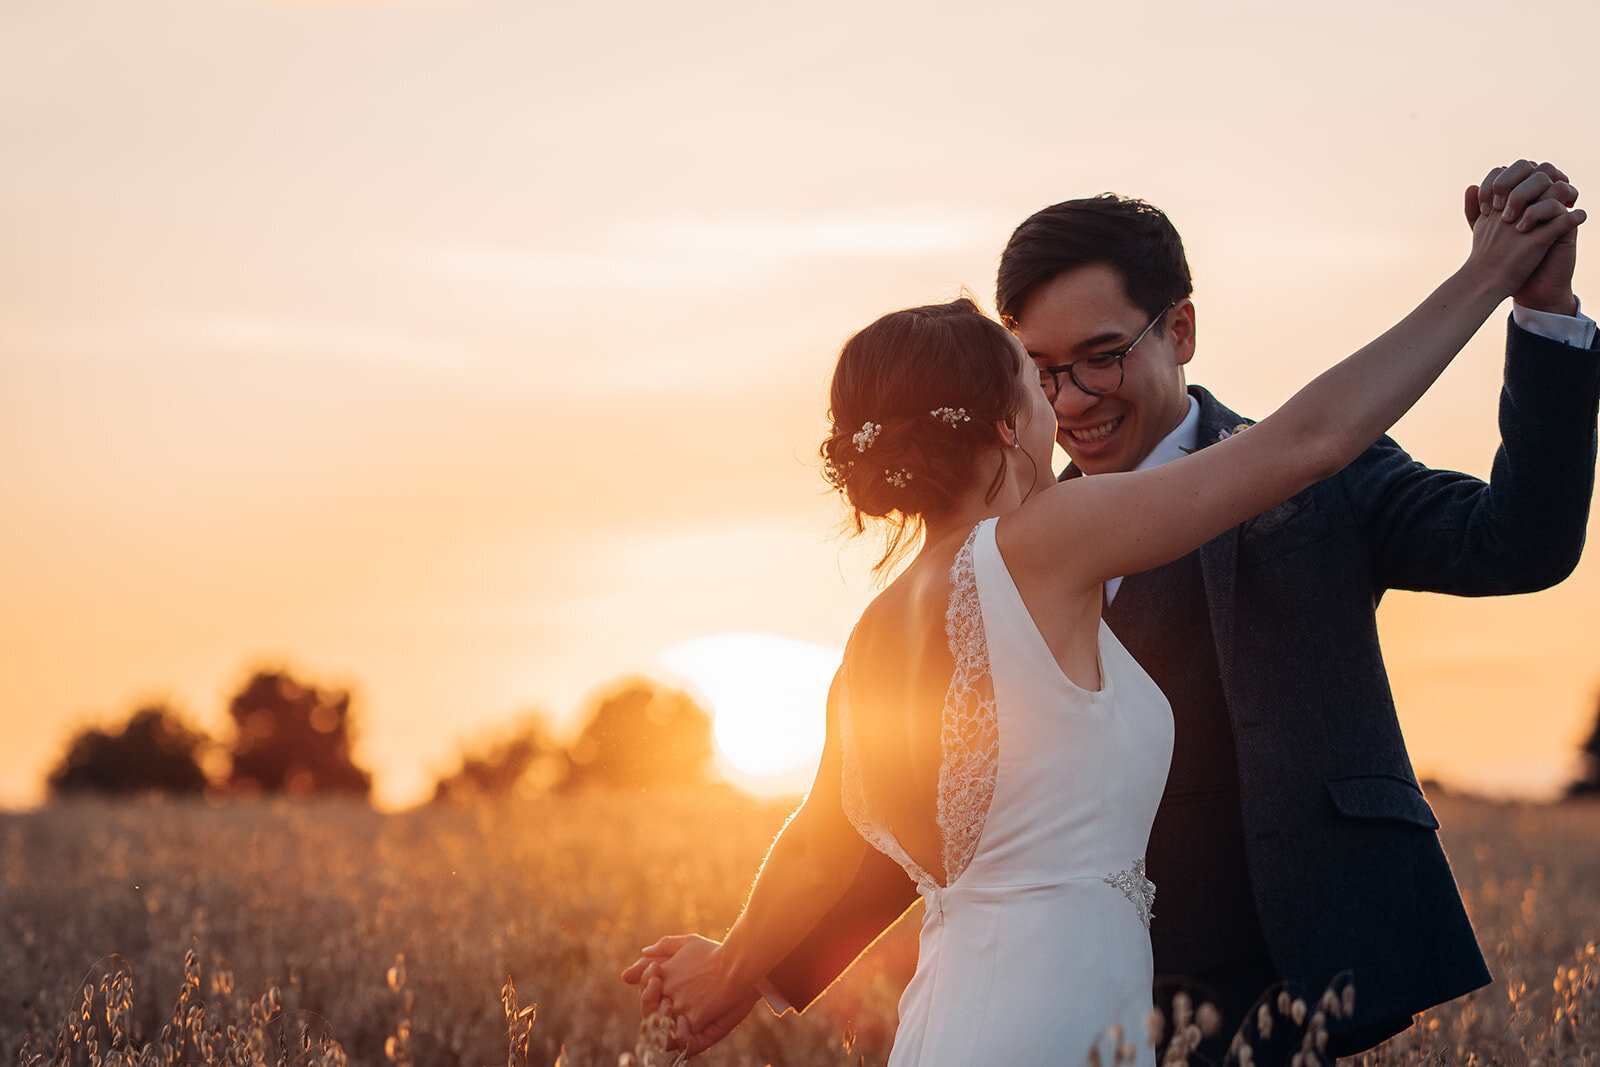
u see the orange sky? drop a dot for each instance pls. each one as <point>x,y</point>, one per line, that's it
<point>474,353</point>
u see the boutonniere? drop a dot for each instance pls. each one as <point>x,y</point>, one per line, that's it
<point>1222,435</point>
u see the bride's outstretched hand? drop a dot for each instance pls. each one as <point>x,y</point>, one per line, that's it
<point>1510,244</point>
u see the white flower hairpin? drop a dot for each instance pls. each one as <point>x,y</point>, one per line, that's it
<point>951,416</point>
<point>866,435</point>
<point>897,478</point>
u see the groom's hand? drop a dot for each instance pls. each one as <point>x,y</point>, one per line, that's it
<point>645,972</point>
<point>714,1031</point>
<point>648,972</point>
<point>1513,193</point>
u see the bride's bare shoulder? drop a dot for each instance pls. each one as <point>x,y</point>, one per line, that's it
<point>1037,540</point>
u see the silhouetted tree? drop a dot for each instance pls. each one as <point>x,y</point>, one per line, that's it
<point>641,735</point>
<point>526,760</point>
<point>293,738</point>
<point>153,752</point>
<point>1588,780</point>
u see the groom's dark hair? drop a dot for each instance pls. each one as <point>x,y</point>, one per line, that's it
<point>1135,238</point>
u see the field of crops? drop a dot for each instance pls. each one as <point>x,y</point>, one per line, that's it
<point>223,934</point>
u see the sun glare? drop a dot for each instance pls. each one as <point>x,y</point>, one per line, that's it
<point>767,696</point>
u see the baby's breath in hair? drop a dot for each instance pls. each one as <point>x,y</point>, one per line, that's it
<point>915,399</point>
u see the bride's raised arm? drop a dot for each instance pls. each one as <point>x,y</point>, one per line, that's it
<point>1080,532</point>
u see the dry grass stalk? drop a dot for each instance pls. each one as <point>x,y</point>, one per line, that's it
<point>302,910</point>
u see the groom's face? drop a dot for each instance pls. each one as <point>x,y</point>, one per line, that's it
<point>1086,312</point>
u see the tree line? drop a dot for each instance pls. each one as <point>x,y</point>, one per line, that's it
<point>291,737</point>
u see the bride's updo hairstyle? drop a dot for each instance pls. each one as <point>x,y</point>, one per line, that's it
<point>913,407</point>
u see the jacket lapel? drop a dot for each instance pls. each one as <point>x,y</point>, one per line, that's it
<point>1219,556</point>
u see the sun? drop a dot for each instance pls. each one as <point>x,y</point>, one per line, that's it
<point>768,700</point>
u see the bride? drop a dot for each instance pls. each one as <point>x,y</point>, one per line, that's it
<point>986,730</point>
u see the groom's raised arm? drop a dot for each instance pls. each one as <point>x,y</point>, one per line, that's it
<point>1523,529</point>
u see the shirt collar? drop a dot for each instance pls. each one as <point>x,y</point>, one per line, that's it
<point>1177,444</point>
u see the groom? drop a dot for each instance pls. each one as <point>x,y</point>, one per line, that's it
<point>1293,844</point>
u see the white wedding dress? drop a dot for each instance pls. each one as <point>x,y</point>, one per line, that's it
<point>1039,942</point>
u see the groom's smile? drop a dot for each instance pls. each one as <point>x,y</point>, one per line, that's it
<point>1085,312</point>
<point>1093,434</point>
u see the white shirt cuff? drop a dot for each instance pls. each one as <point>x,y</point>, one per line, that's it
<point>776,1003</point>
<point>1577,330</point>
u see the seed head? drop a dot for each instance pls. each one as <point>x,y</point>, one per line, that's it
<point>1182,1010</point>
<point>1154,1025</point>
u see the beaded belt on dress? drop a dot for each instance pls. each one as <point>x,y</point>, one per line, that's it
<point>1137,888</point>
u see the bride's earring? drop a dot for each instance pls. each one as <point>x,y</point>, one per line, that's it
<point>1016,438</point>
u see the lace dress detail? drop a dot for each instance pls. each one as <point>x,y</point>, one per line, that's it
<point>969,741</point>
<point>1137,888</point>
<point>969,735</point>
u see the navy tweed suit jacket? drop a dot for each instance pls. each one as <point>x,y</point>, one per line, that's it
<point>1344,861</point>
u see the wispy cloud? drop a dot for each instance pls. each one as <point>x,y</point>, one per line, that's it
<point>788,239</point>
<point>347,341</point>
<point>255,336</point>
<point>702,254</point>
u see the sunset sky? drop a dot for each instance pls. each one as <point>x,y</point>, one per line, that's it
<point>471,355</point>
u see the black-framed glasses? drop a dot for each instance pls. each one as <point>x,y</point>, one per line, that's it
<point>1096,375</point>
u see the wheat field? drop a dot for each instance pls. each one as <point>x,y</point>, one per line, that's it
<point>322,932</point>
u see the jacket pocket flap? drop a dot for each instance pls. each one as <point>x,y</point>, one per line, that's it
<point>1381,796</point>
